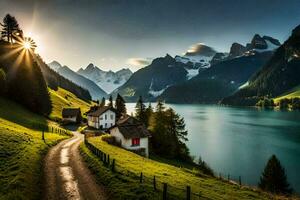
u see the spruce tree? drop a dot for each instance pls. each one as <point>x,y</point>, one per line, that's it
<point>120,106</point>
<point>10,26</point>
<point>140,111</point>
<point>149,112</point>
<point>273,178</point>
<point>102,102</point>
<point>110,103</point>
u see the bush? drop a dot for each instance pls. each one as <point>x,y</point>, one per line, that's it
<point>204,167</point>
<point>284,103</point>
<point>295,103</point>
<point>265,103</point>
<point>109,139</point>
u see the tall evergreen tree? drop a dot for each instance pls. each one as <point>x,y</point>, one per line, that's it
<point>149,112</point>
<point>120,106</point>
<point>110,103</point>
<point>10,26</point>
<point>140,111</point>
<point>102,102</point>
<point>273,178</point>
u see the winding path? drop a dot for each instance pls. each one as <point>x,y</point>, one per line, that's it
<point>66,174</point>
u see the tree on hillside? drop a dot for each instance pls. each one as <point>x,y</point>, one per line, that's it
<point>102,102</point>
<point>110,103</point>
<point>149,112</point>
<point>273,178</point>
<point>10,26</point>
<point>2,82</point>
<point>120,106</point>
<point>140,111</point>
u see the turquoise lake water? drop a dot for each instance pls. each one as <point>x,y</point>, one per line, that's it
<point>239,141</point>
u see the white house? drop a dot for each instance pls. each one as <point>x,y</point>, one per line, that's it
<point>102,117</point>
<point>72,115</point>
<point>132,135</point>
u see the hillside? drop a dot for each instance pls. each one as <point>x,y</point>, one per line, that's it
<point>130,165</point>
<point>54,80</point>
<point>95,91</point>
<point>293,93</point>
<point>22,150</point>
<point>62,98</point>
<point>216,82</point>
<point>279,75</point>
<point>153,79</point>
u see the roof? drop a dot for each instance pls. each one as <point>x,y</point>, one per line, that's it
<point>66,112</point>
<point>100,110</point>
<point>130,127</point>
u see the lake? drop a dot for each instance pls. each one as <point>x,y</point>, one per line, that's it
<point>239,141</point>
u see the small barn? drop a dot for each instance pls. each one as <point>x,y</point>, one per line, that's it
<point>71,115</point>
<point>132,135</point>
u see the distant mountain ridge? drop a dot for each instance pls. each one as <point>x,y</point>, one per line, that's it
<point>278,75</point>
<point>95,91</point>
<point>107,80</point>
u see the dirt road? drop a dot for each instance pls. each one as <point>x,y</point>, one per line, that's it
<point>66,175</point>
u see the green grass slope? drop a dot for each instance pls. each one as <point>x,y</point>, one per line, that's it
<point>22,150</point>
<point>62,98</point>
<point>295,92</point>
<point>131,165</point>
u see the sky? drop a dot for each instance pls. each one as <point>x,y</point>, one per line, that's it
<point>115,34</point>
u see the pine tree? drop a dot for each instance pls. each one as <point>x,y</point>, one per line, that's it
<point>140,111</point>
<point>120,106</point>
<point>149,112</point>
<point>102,102</point>
<point>10,26</point>
<point>110,103</point>
<point>273,178</point>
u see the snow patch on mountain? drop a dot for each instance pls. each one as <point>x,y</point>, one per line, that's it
<point>191,73</point>
<point>158,92</point>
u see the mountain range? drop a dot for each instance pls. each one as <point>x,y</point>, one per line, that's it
<point>95,91</point>
<point>279,75</point>
<point>107,80</point>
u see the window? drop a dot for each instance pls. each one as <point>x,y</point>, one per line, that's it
<point>135,141</point>
<point>105,125</point>
<point>105,117</point>
<point>111,117</point>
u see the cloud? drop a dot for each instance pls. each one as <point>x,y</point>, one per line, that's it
<point>139,62</point>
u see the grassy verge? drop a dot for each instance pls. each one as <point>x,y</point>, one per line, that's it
<point>22,150</point>
<point>131,165</point>
<point>64,99</point>
<point>118,185</point>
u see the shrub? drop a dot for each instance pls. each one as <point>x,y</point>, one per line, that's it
<point>295,103</point>
<point>204,167</point>
<point>284,103</point>
<point>109,139</point>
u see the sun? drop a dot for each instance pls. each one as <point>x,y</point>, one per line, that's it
<point>26,45</point>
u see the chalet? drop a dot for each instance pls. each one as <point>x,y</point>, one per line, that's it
<point>72,115</point>
<point>131,135</point>
<point>101,117</point>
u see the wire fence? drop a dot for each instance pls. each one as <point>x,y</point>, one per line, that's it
<point>165,190</point>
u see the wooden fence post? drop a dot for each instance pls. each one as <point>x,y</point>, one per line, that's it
<point>108,160</point>
<point>43,135</point>
<point>188,192</point>
<point>141,177</point>
<point>228,177</point>
<point>165,192</point>
<point>104,160</point>
<point>154,183</point>
<point>240,180</point>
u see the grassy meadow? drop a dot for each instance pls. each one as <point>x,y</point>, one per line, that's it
<point>22,150</point>
<point>295,92</point>
<point>130,165</point>
<point>63,99</point>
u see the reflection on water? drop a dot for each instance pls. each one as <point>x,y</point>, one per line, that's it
<point>239,141</point>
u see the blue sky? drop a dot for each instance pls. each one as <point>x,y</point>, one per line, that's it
<point>114,34</point>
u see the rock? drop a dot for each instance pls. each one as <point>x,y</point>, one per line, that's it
<point>258,42</point>
<point>237,49</point>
